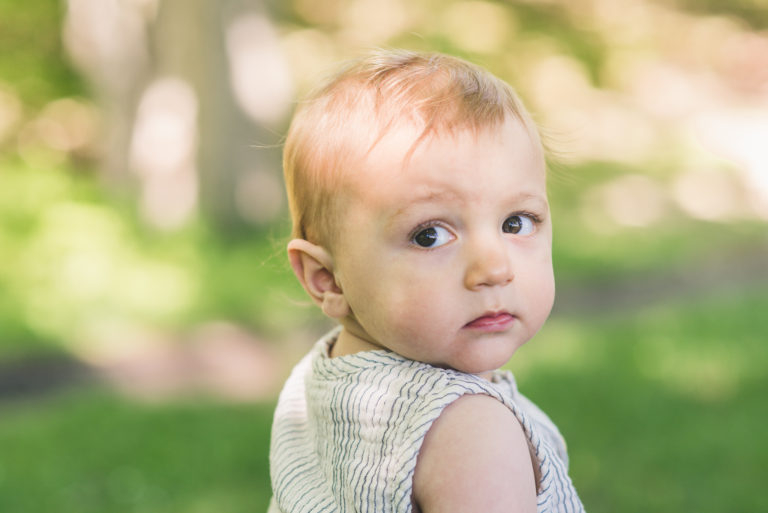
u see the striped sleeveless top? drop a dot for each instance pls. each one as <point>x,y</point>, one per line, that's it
<point>347,432</point>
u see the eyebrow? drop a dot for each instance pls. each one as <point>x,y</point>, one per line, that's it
<point>440,196</point>
<point>430,197</point>
<point>527,196</point>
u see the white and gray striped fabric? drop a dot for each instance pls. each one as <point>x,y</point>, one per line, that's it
<point>347,432</point>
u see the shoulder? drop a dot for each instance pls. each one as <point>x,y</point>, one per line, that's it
<point>475,457</point>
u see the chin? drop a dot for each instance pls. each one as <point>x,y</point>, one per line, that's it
<point>490,360</point>
<point>482,366</point>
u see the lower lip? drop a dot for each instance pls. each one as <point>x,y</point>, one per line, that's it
<point>492,323</point>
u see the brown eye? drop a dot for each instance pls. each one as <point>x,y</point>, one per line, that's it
<point>426,238</point>
<point>431,237</point>
<point>518,224</point>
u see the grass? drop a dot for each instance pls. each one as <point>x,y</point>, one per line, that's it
<point>663,409</point>
<point>92,451</point>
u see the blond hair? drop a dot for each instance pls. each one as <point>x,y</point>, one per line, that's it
<point>346,117</point>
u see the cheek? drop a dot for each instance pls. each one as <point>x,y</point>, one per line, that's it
<point>539,284</point>
<point>404,301</point>
<point>407,297</point>
<point>548,297</point>
<point>543,295</point>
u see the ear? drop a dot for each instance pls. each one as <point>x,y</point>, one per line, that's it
<point>313,266</point>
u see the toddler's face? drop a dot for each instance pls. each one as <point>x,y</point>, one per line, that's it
<point>446,258</point>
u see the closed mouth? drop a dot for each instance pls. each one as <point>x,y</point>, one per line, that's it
<point>491,322</point>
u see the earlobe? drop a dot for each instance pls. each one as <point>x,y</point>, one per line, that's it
<point>313,266</point>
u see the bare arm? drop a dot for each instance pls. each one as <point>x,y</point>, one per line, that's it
<point>475,458</point>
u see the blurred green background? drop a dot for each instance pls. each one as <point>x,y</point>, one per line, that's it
<point>147,314</point>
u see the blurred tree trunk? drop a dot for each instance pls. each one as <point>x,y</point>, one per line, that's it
<point>234,159</point>
<point>189,43</point>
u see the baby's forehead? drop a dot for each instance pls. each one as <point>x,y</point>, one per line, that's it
<point>442,158</point>
<point>405,140</point>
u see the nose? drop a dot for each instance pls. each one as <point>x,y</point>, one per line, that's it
<point>489,264</point>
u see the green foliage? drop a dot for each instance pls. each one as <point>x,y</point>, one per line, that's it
<point>588,248</point>
<point>33,57</point>
<point>75,262</point>
<point>752,12</point>
<point>72,259</point>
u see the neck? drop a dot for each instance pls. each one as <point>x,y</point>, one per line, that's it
<point>350,341</point>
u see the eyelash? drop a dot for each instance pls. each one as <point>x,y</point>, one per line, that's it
<point>424,226</point>
<point>530,215</point>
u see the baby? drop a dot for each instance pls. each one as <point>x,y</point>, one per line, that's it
<point>417,189</point>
